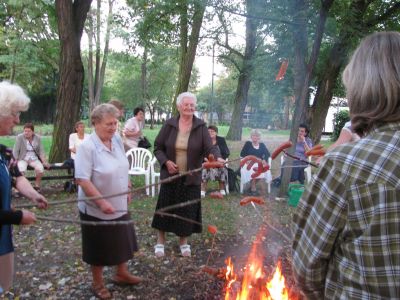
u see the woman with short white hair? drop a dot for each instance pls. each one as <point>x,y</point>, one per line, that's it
<point>181,145</point>
<point>101,168</point>
<point>258,149</point>
<point>12,102</point>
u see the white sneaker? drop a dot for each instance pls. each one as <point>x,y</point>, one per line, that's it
<point>223,193</point>
<point>203,194</point>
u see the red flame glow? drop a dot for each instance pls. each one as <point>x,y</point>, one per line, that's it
<point>255,284</point>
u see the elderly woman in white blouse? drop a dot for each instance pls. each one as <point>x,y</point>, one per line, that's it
<point>101,168</point>
<point>76,138</point>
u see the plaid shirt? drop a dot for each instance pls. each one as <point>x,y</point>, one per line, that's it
<point>347,225</point>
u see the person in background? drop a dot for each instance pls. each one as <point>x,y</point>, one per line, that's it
<point>101,168</point>
<point>346,227</point>
<point>181,145</point>
<point>303,144</point>
<point>254,147</point>
<point>13,100</point>
<point>77,138</point>
<point>133,129</point>
<point>121,113</point>
<point>346,135</point>
<point>29,151</point>
<point>220,174</point>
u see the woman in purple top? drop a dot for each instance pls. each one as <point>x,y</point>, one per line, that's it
<point>303,144</point>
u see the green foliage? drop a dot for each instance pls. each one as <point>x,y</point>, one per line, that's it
<point>29,47</point>
<point>340,118</point>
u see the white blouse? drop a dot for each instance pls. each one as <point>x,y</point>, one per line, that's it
<point>107,170</point>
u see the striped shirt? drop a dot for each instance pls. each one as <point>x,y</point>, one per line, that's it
<point>347,225</point>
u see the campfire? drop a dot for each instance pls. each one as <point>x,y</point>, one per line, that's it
<point>254,284</point>
<point>251,281</point>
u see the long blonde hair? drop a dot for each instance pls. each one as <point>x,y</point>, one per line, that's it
<point>372,81</point>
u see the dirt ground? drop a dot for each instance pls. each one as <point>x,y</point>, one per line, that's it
<point>48,254</point>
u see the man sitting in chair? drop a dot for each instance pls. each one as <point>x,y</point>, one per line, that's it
<point>220,174</point>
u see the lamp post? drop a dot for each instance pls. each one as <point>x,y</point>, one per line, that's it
<point>212,85</point>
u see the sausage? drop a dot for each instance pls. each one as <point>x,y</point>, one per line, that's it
<point>212,229</point>
<point>257,173</point>
<point>216,195</point>
<point>316,152</point>
<point>211,157</point>
<point>213,164</point>
<point>282,147</point>
<point>247,200</point>
<point>247,158</point>
<point>250,164</point>
<point>319,146</point>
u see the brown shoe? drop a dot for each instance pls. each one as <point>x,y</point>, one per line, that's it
<point>126,279</point>
<point>100,291</point>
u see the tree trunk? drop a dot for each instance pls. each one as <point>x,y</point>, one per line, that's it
<point>303,71</point>
<point>188,46</point>
<point>144,76</point>
<point>355,27</point>
<point>240,102</point>
<point>90,33</point>
<point>102,71</point>
<point>71,17</point>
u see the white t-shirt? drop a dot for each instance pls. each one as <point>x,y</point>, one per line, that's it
<point>354,136</point>
<point>135,125</point>
<point>75,141</point>
<point>30,153</point>
<point>107,170</point>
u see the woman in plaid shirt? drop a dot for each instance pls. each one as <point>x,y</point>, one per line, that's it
<point>347,226</point>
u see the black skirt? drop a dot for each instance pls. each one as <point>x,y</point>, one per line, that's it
<point>174,193</point>
<point>107,245</point>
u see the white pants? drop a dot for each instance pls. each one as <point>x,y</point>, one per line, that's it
<point>6,271</point>
<point>36,164</point>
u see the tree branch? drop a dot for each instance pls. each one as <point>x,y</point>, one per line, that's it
<point>383,17</point>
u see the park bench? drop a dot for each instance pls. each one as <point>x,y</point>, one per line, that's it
<point>54,167</point>
<point>69,185</point>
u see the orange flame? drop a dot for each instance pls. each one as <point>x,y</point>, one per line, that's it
<point>254,284</point>
<point>276,286</point>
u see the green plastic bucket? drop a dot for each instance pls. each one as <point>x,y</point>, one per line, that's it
<point>295,192</point>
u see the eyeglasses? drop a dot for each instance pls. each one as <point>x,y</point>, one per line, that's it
<point>16,114</point>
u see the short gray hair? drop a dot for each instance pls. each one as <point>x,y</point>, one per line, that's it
<point>101,110</point>
<point>255,132</point>
<point>12,97</point>
<point>185,95</point>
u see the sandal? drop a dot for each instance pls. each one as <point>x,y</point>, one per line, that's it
<point>159,250</point>
<point>185,250</point>
<point>100,291</point>
<point>124,280</point>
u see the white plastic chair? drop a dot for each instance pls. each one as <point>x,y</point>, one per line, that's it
<point>155,177</point>
<point>245,176</point>
<point>140,164</point>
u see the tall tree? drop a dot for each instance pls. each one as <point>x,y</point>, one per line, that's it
<point>244,63</point>
<point>96,73</point>
<point>361,17</point>
<point>188,43</point>
<point>71,16</point>
<point>28,43</point>
<point>158,25</point>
